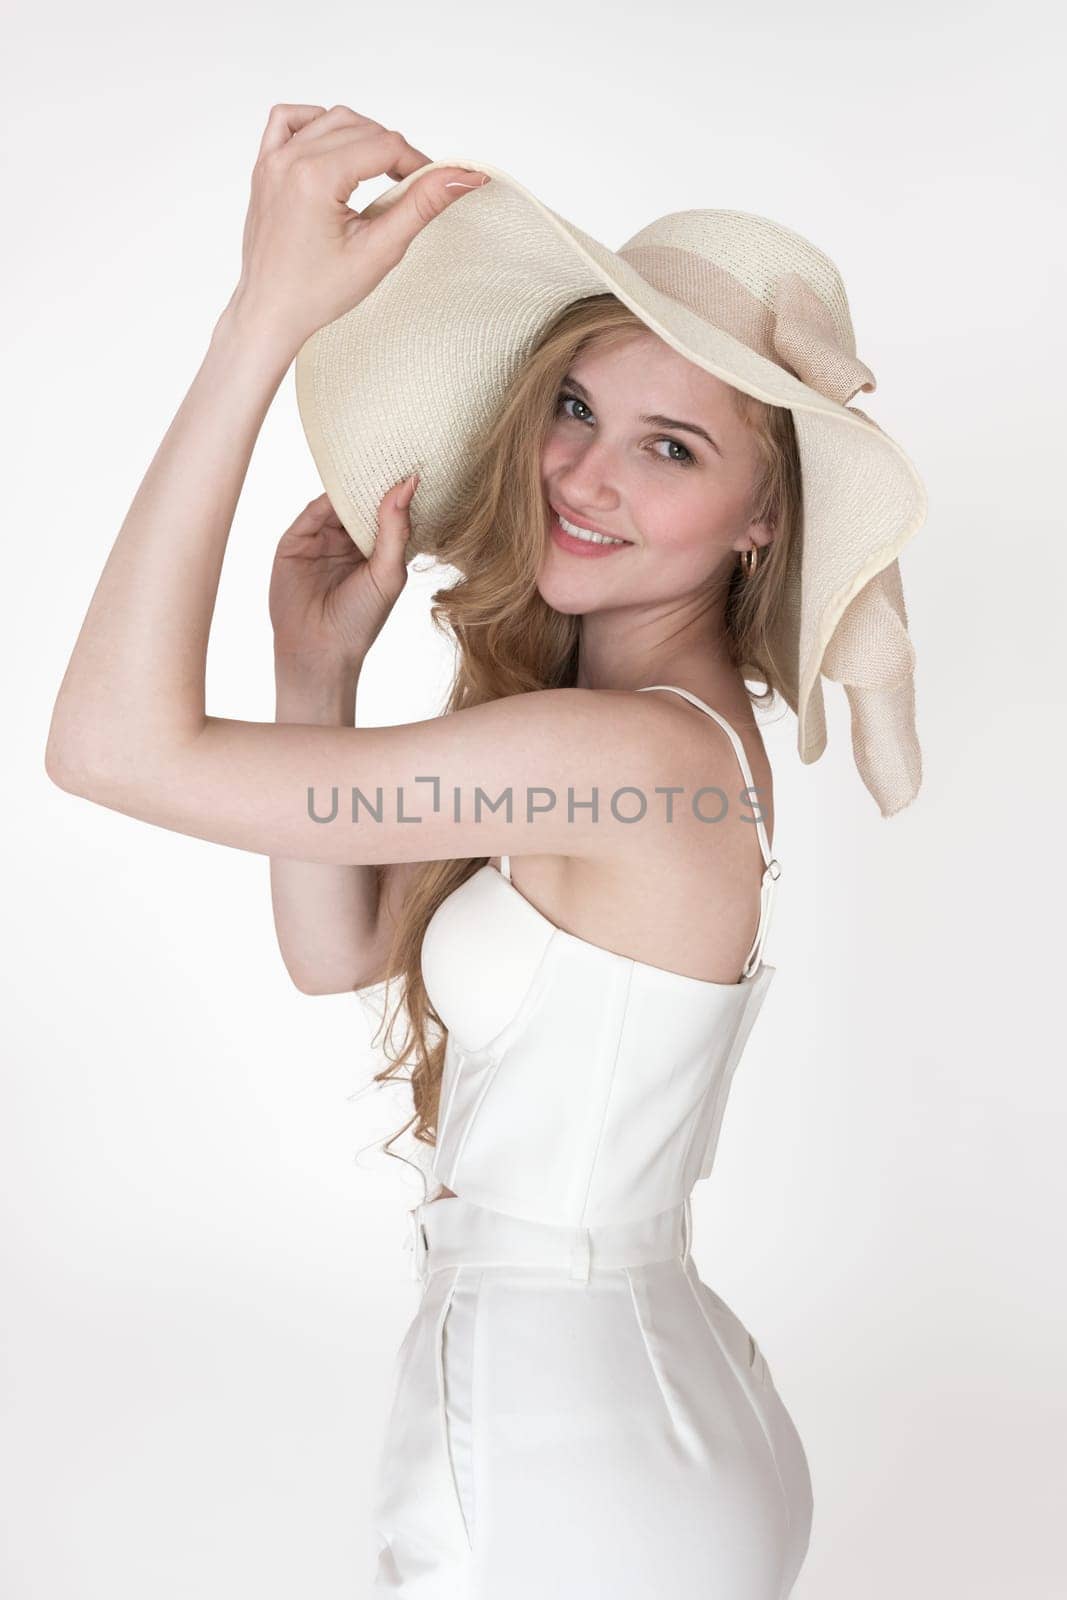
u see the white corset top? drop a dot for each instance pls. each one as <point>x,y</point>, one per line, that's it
<point>580,1086</point>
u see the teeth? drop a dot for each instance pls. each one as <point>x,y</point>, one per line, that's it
<point>584,533</point>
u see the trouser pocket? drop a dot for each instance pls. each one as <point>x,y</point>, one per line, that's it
<point>457,1392</point>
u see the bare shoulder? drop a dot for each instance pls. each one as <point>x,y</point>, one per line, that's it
<point>711,748</point>
<point>682,891</point>
<point>666,762</point>
<point>648,768</point>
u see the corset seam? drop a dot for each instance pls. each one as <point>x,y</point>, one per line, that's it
<point>624,1007</point>
<point>738,1045</point>
<point>712,1093</point>
<point>494,1053</point>
<point>502,1036</point>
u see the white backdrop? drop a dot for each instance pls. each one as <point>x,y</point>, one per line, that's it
<point>204,1281</point>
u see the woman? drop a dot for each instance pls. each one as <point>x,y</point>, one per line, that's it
<point>574,1411</point>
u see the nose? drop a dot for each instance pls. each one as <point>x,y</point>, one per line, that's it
<point>585,483</point>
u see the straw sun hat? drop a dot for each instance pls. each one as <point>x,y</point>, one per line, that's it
<point>414,372</point>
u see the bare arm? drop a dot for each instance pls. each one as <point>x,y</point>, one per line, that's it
<point>325,916</point>
<point>134,688</point>
<point>334,923</point>
<point>130,728</point>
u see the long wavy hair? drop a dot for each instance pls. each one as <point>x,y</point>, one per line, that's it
<point>509,641</point>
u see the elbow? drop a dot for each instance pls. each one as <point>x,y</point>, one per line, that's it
<point>77,769</point>
<point>63,767</point>
<point>307,985</point>
<point>93,765</point>
<point>74,749</point>
<point>315,984</point>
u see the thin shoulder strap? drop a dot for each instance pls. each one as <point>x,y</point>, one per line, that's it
<point>505,867</point>
<point>772,868</point>
<point>739,751</point>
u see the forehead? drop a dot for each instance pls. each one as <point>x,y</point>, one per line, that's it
<point>642,368</point>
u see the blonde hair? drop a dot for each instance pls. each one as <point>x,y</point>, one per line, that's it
<point>509,641</point>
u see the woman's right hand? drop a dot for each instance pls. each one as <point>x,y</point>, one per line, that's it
<point>328,602</point>
<point>307,257</point>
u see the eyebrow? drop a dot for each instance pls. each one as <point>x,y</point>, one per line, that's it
<point>655,420</point>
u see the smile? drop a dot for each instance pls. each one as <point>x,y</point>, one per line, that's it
<point>583,541</point>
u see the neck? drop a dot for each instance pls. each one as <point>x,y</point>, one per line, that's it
<point>625,650</point>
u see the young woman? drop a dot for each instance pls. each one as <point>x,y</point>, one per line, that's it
<point>574,1411</point>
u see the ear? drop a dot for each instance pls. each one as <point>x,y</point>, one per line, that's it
<point>758,534</point>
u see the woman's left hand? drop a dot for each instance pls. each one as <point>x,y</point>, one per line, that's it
<point>307,257</point>
<point>329,602</point>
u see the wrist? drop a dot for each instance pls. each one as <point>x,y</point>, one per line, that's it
<point>316,666</point>
<point>247,323</point>
<point>314,690</point>
<point>327,705</point>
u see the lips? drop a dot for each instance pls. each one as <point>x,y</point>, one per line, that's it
<point>585,546</point>
<point>590,527</point>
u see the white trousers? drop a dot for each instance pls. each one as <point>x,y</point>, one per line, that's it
<point>575,1413</point>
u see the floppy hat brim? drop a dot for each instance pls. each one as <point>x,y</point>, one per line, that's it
<point>410,375</point>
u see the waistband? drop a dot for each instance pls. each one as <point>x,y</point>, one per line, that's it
<point>454,1231</point>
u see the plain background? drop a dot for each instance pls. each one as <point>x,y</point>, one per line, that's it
<point>203,1263</point>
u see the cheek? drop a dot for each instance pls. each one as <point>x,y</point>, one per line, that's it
<point>679,522</point>
<point>555,455</point>
<point>678,527</point>
<point>685,542</point>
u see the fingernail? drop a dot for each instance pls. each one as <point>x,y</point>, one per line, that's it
<point>483,179</point>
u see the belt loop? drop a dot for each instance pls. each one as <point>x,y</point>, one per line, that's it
<point>687,1228</point>
<point>581,1254</point>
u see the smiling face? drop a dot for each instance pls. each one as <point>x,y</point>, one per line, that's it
<point>681,501</point>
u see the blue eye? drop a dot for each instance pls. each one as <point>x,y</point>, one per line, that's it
<point>688,461</point>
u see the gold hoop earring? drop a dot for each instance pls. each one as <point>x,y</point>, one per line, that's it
<point>749,561</point>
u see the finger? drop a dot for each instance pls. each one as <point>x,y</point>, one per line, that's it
<point>393,230</point>
<point>321,505</point>
<point>368,153</point>
<point>336,117</point>
<point>394,530</point>
<point>395,506</point>
<point>336,121</point>
<point>283,122</point>
<point>314,515</point>
<point>337,137</point>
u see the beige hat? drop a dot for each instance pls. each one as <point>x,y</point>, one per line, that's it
<point>412,375</point>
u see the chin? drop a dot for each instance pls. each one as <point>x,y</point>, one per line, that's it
<point>558,597</point>
<point>571,594</point>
